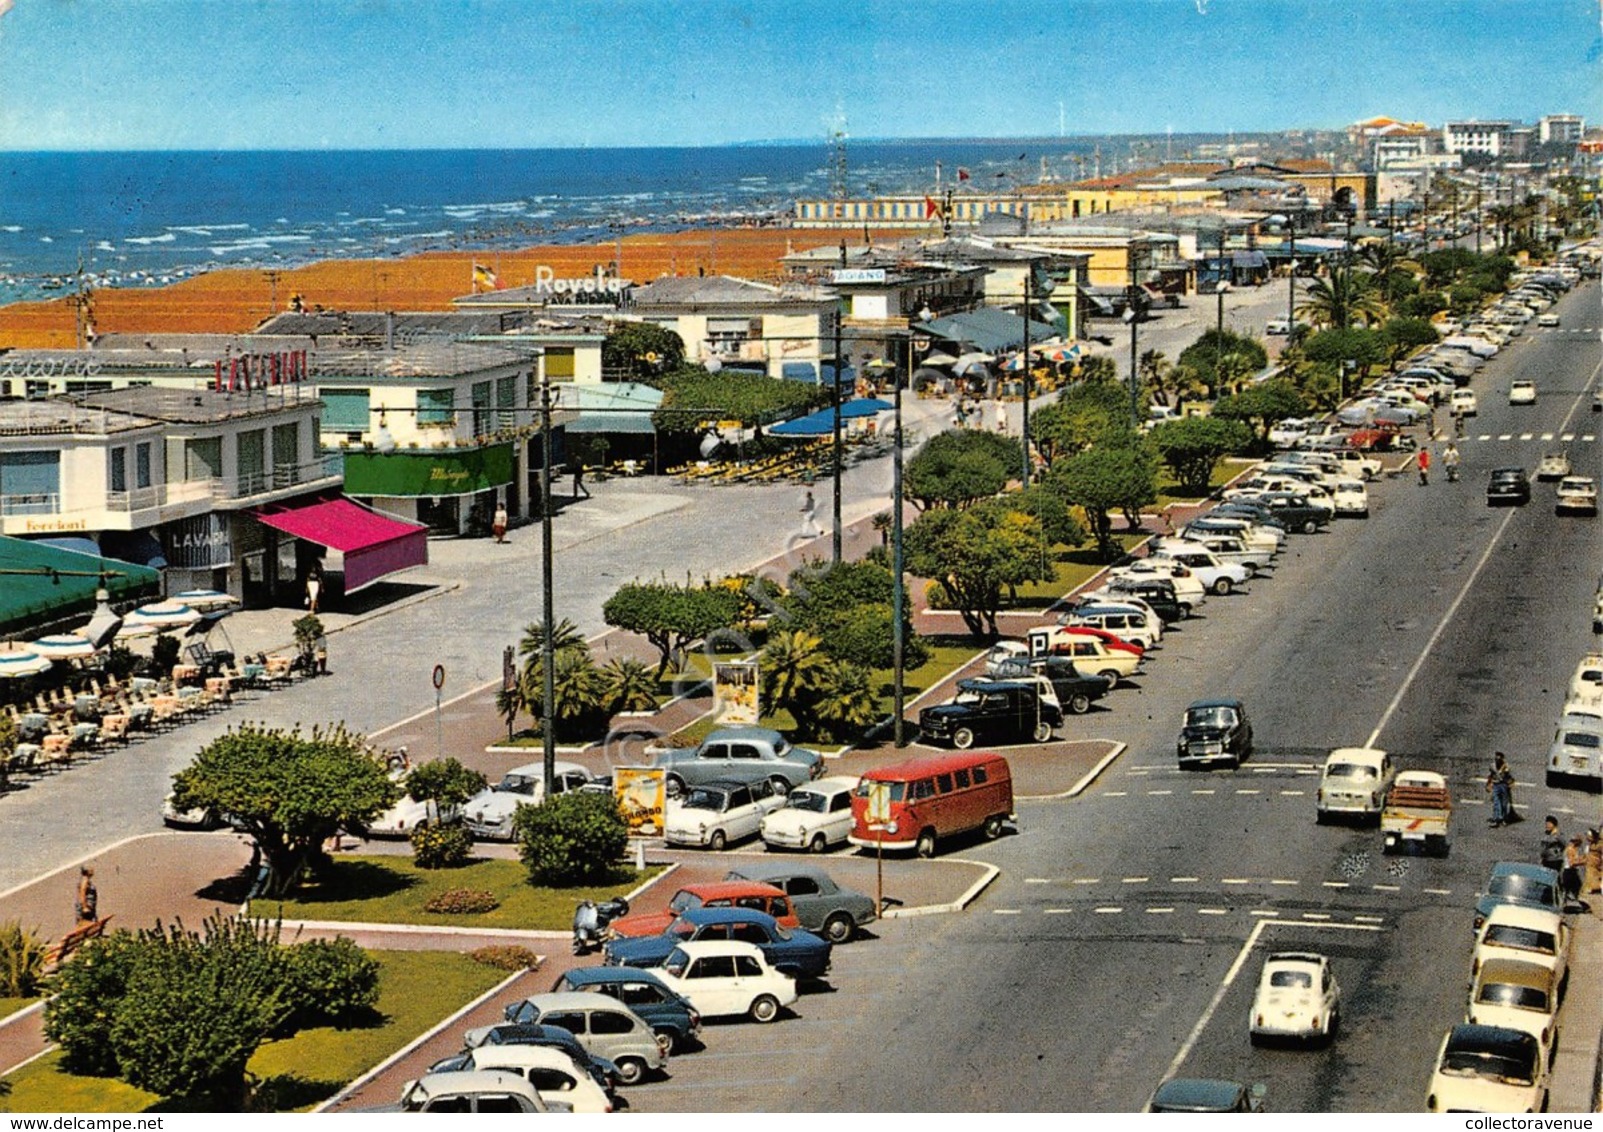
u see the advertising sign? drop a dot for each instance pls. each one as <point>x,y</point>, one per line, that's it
<point>641,793</point>
<point>734,693</point>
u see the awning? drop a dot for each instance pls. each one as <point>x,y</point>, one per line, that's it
<point>615,407</point>
<point>822,422</point>
<point>31,595</point>
<point>374,545</point>
<point>989,329</point>
<point>408,474</point>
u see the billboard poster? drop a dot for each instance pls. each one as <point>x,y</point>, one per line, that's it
<point>734,693</point>
<point>641,793</point>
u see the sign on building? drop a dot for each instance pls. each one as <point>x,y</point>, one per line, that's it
<point>641,793</point>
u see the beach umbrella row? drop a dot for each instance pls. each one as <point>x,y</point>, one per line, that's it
<point>15,663</point>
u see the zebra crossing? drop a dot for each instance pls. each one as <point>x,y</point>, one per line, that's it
<point>1544,437</point>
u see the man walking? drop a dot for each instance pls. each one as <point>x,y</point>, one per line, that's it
<point>1500,785</point>
<point>1551,853</point>
<point>1424,466</point>
<point>809,510</point>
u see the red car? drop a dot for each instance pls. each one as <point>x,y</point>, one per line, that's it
<point>715,894</point>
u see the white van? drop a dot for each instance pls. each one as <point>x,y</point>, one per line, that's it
<point>1125,622</point>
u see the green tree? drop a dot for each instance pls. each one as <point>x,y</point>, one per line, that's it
<point>692,398</point>
<point>1102,480</point>
<point>443,784</point>
<point>79,1014</point>
<point>977,555</point>
<point>1354,350</point>
<point>1086,415</point>
<point>1262,406</point>
<point>1193,446</point>
<point>564,635</point>
<point>1400,337</point>
<point>628,685</point>
<point>1098,368</point>
<point>289,792</point>
<point>641,351</point>
<point>1220,363</point>
<point>1058,524</point>
<point>574,838</point>
<point>790,664</point>
<point>671,616</point>
<point>846,704</point>
<point>1341,299</point>
<point>22,960</point>
<point>955,469</point>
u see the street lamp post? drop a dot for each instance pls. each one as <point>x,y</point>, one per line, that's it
<point>835,546</point>
<point>1291,275</point>
<point>548,662</point>
<point>898,582</point>
<point>1024,480</point>
<point>1131,316</point>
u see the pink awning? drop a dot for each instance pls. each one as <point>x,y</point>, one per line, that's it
<point>374,545</point>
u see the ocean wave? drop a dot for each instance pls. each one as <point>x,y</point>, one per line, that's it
<point>395,212</point>
<point>469,211</point>
<point>105,246</point>
<point>10,227</point>
<point>164,238</point>
<point>442,234</point>
<point>258,244</point>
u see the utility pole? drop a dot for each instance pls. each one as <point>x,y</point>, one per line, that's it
<point>898,582</point>
<point>1291,276</point>
<point>548,657</point>
<point>1029,272</point>
<point>835,544</point>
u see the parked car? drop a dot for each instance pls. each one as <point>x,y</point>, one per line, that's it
<point>601,1071</point>
<point>1352,498</point>
<point>1296,511</point>
<point>815,816</point>
<point>603,1025</point>
<point>1547,318</point>
<point>1148,634</point>
<point>798,953</point>
<point>1075,691</point>
<point>1535,935</point>
<point>714,814</point>
<point>1553,466</point>
<point>1201,1094</point>
<point>993,711</point>
<point>1522,392</point>
<point>712,894</point>
<point>1256,535</point>
<point>1519,994</point>
<point>202,819</point>
<point>1214,730</point>
<point>1515,882</point>
<point>1357,464</point>
<point>668,1013</point>
<point>1298,997</point>
<point>1488,1069</point>
<point>1586,682</point>
<point>1189,592</point>
<point>1577,749</point>
<point>1576,495</point>
<point>1463,403</point>
<point>1354,783</point>
<point>488,814</point>
<point>557,1077</point>
<point>931,798</point>
<point>740,754</point>
<point>1089,651</point>
<point>1125,622</point>
<point>1508,485</point>
<point>1226,549</point>
<point>1158,593</point>
<point>475,1092</point>
<point>825,908</point>
<point>725,978</point>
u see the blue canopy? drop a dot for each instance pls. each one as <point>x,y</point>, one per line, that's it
<point>822,423</point>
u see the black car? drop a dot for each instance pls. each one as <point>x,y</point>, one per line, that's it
<point>1246,509</point>
<point>1508,485</point>
<point>1214,731</point>
<point>997,711</point>
<point>1075,692</point>
<point>1159,593</point>
<point>1294,511</point>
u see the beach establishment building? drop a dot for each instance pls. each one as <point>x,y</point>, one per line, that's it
<point>216,488</point>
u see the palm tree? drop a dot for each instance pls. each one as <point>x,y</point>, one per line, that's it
<point>628,685</point>
<point>790,664</point>
<point>1343,298</point>
<point>846,703</point>
<point>564,635</point>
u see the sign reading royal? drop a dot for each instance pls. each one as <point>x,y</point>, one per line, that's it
<point>598,285</point>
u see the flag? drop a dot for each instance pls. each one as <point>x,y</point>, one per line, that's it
<point>484,277</point>
<point>931,208</point>
<point>962,173</point>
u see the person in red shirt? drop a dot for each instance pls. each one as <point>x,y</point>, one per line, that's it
<point>1424,466</point>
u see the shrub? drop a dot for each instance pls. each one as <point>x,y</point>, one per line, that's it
<point>445,846</point>
<point>87,990</point>
<point>462,902</point>
<point>937,597</point>
<point>506,957</point>
<point>22,960</point>
<point>572,838</point>
<point>328,982</point>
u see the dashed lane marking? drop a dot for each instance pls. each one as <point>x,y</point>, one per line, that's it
<point>1116,794</point>
<point>1157,793</point>
<point>1386,888</point>
<point>1262,912</point>
<point>1335,884</point>
<point>1136,880</point>
<point>1316,915</point>
<point>1506,436</point>
<point>1056,911</point>
<point>1285,882</point>
<point>1293,793</point>
<point>1205,791</point>
<point>1182,880</point>
<point>1086,880</point>
<point>1249,791</point>
<point>1159,911</point>
<point>1567,437</point>
<point>1108,910</point>
<point>1213,911</point>
<point>1236,880</point>
<point>1037,880</point>
<point>1006,911</point>
<point>1525,436</point>
<point>1369,919</point>
<point>1438,891</point>
<point>1546,436</point>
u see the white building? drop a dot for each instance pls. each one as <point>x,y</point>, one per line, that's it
<point>1560,129</point>
<point>1473,136</point>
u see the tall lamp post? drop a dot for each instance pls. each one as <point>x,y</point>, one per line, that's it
<point>1291,275</point>
<point>1029,272</point>
<point>1132,316</point>
<point>898,582</point>
<point>1220,286</point>
<point>548,660</point>
<point>835,399</point>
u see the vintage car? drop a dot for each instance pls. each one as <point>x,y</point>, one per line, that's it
<point>795,952</point>
<point>1519,994</point>
<point>1508,485</point>
<point>1214,730</point>
<point>815,816</point>
<point>726,978</point>
<point>1534,935</point>
<point>1575,495</point>
<point>488,814</point>
<point>1553,466</point>
<point>825,907</point>
<point>1298,997</point>
<point>1418,812</point>
<point>713,894</point>
<point>712,815</point>
<point>1205,1094</point>
<point>1515,882</point>
<point>740,754</point>
<point>1488,1069</point>
<point>993,711</point>
<point>1075,692</point>
<point>1353,784</point>
<point>668,1014</point>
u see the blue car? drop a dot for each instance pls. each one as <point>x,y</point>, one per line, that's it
<point>1513,882</point>
<point>798,953</point>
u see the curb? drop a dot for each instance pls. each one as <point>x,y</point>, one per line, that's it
<point>427,1035</point>
<point>1095,772</point>
<point>963,901</point>
<point>418,929</point>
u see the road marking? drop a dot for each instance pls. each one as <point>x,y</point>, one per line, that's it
<point>1292,793</point>
<point>1005,911</point>
<point>1484,436</point>
<point>1262,912</point>
<point>1213,911</point>
<point>1472,801</point>
<point>1435,636</point>
<point>1547,436</point>
<point>1138,771</point>
<point>1587,439</point>
<point>1136,880</point>
<point>1386,888</point>
<point>1316,915</point>
<point>1085,880</point>
<point>1567,437</point>
<point>1262,769</point>
<point>1218,997</point>
<point>1236,880</point>
<point>1285,882</point>
<point>1056,911</point>
<point>1117,794</point>
<point>1438,891</point>
<point>1182,880</point>
<point>1157,793</point>
<point>1336,884</point>
<point>1108,909</point>
<point>1037,880</point>
<point>1506,436</point>
<point>1205,791</point>
<point>1370,919</point>
<point>1159,911</point>
<point>1249,791</point>
<point>1525,436</point>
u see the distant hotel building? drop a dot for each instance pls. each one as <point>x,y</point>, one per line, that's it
<point>1560,129</point>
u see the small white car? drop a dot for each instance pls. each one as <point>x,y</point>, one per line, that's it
<point>1488,1069</point>
<point>1576,495</point>
<point>1219,576</point>
<point>552,1072</point>
<point>1354,783</point>
<point>1522,393</point>
<point>816,815</point>
<point>1351,497</point>
<point>712,815</point>
<point>1462,403</point>
<point>1547,318</point>
<point>1352,461</point>
<point>1535,935</point>
<point>474,1092</point>
<point>1553,466</point>
<point>1298,997</point>
<point>1586,685</point>
<point>489,812</point>
<point>1518,994</point>
<point>727,978</point>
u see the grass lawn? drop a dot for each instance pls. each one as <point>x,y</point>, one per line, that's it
<point>9,1006</point>
<point>416,990</point>
<point>1070,570</point>
<point>392,890</point>
<point>1225,471</point>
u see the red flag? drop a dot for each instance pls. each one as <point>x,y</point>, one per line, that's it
<point>931,208</point>
<point>962,173</point>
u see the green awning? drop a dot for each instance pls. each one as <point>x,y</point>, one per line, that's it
<point>428,472</point>
<point>33,597</point>
<point>624,406</point>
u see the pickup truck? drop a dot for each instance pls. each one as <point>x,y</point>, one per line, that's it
<point>1418,809</point>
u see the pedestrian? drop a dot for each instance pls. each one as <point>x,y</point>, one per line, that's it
<point>1592,882</point>
<point>809,510</point>
<point>498,524</point>
<point>1424,465</point>
<point>1551,852</point>
<point>320,656</point>
<point>88,900</point>
<point>1001,417</point>
<point>314,586</point>
<point>1574,867</point>
<point>578,482</point>
<point>1500,785</point>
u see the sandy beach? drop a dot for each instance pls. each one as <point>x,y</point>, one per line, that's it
<point>235,301</point>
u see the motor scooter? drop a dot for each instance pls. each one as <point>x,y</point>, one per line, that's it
<point>590,922</point>
<point>1452,473</point>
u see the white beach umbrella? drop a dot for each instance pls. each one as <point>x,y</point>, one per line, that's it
<point>21,662</point>
<point>130,630</point>
<point>206,601</point>
<point>162,615</point>
<point>64,646</point>
<point>937,359</point>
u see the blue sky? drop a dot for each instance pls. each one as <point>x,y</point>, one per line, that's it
<point>294,74</point>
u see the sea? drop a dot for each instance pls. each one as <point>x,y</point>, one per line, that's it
<point>141,219</point>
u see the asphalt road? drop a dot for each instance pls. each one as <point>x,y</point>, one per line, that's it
<point>1122,942</point>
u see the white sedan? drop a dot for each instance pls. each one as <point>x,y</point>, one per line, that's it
<point>1522,393</point>
<point>1576,494</point>
<point>1351,497</point>
<point>1463,403</point>
<point>1553,466</point>
<point>724,978</point>
<point>1534,935</point>
<point>1547,318</point>
<point>1298,997</point>
<point>815,816</point>
<point>490,812</point>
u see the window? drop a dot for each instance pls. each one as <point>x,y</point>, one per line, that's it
<point>559,364</point>
<point>36,475</point>
<point>715,751</point>
<point>840,802</point>
<point>550,1080</point>
<point>744,751</point>
<point>923,788</point>
<point>943,782</point>
<point>609,1022</point>
<point>570,1020</point>
<point>495,1102</point>
<point>449,1104</point>
<point>715,967</point>
<point>960,777</point>
<point>203,458</point>
<point>117,470</point>
<point>747,966</point>
<point>748,933</point>
<point>252,459</point>
<point>802,886</point>
<point>638,994</point>
<point>142,465</point>
<point>506,399</point>
<point>979,776</point>
<point>286,453</point>
<point>436,406</point>
<point>346,410</point>
<point>483,393</point>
